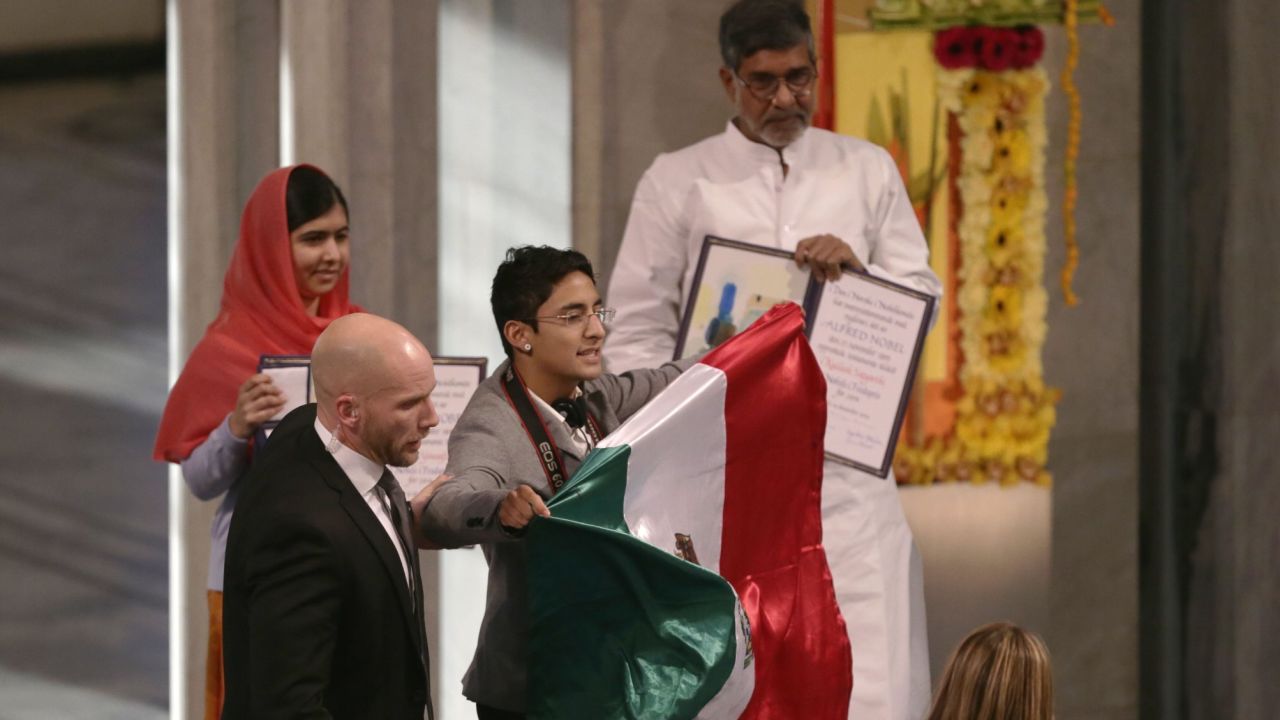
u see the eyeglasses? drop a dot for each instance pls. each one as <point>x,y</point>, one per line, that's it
<point>765,86</point>
<point>577,319</point>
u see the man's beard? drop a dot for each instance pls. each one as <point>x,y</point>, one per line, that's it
<point>781,134</point>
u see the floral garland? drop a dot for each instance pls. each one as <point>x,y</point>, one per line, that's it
<point>994,95</point>
<point>1070,195</point>
<point>930,14</point>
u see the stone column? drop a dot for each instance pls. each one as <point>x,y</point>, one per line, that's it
<point>222,96</point>
<point>644,82</point>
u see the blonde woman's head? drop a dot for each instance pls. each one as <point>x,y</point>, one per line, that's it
<point>999,672</point>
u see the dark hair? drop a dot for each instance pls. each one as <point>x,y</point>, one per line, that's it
<point>309,195</point>
<point>753,25</point>
<point>525,280</point>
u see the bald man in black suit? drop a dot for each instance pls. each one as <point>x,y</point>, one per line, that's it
<point>323,604</point>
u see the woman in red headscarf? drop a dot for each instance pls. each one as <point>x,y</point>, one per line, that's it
<point>287,281</point>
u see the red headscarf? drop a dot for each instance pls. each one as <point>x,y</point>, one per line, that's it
<point>262,313</point>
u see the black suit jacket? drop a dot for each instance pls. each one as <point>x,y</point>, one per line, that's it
<point>318,621</point>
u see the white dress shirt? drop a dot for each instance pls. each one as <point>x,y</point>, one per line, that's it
<point>731,187</point>
<point>364,475</point>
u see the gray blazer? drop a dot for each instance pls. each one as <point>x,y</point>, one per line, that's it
<point>489,455</point>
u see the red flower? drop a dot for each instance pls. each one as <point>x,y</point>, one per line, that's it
<point>995,48</point>
<point>954,48</point>
<point>1028,46</point>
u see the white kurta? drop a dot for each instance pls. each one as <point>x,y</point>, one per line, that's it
<point>733,188</point>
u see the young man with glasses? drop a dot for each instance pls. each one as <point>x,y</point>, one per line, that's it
<point>524,433</point>
<point>836,202</point>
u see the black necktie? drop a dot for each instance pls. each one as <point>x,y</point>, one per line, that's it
<point>400,518</point>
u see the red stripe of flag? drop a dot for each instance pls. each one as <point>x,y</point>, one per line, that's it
<point>775,419</point>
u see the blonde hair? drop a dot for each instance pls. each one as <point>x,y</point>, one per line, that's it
<point>999,672</point>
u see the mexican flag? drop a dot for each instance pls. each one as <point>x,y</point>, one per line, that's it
<point>682,574</point>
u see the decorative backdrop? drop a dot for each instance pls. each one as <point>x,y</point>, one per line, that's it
<point>956,94</point>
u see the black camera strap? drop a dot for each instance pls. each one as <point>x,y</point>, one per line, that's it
<point>548,454</point>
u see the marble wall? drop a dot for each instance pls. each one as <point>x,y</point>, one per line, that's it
<point>1232,627</point>
<point>1092,353</point>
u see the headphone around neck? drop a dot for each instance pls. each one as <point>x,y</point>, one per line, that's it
<point>574,411</point>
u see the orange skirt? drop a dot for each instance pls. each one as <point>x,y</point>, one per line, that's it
<point>215,688</point>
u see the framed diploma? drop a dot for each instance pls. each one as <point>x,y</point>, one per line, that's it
<point>292,374</point>
<point>867,334</point>
<point>456,381</point>
<point>734,284</point>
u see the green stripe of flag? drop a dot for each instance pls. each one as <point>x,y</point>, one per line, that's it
<point>618,627</point>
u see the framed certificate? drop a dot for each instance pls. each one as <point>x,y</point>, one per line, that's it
<point>456,381</point>
<point>867,334</point>
<point>292,374</point>
<point>734,284</point>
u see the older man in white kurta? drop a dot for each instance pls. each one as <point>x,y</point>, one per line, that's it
<point>804,190</point>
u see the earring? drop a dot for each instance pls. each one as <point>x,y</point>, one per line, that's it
<point>527,347</point>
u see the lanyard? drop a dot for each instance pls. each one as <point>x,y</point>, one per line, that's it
<point>548,454</point>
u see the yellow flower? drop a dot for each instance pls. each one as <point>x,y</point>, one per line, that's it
<point>976,121</point>
<point>974,430</point>
<point>1009,273</point>
<point>1033,84</point>
<point>982,90</point>
<point>1004,121</point>
<point>1008,206</point>
<point>1004,306</point>
<point>1006,352</point>
<point>1012,154</point>
<point>1004,243</point>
